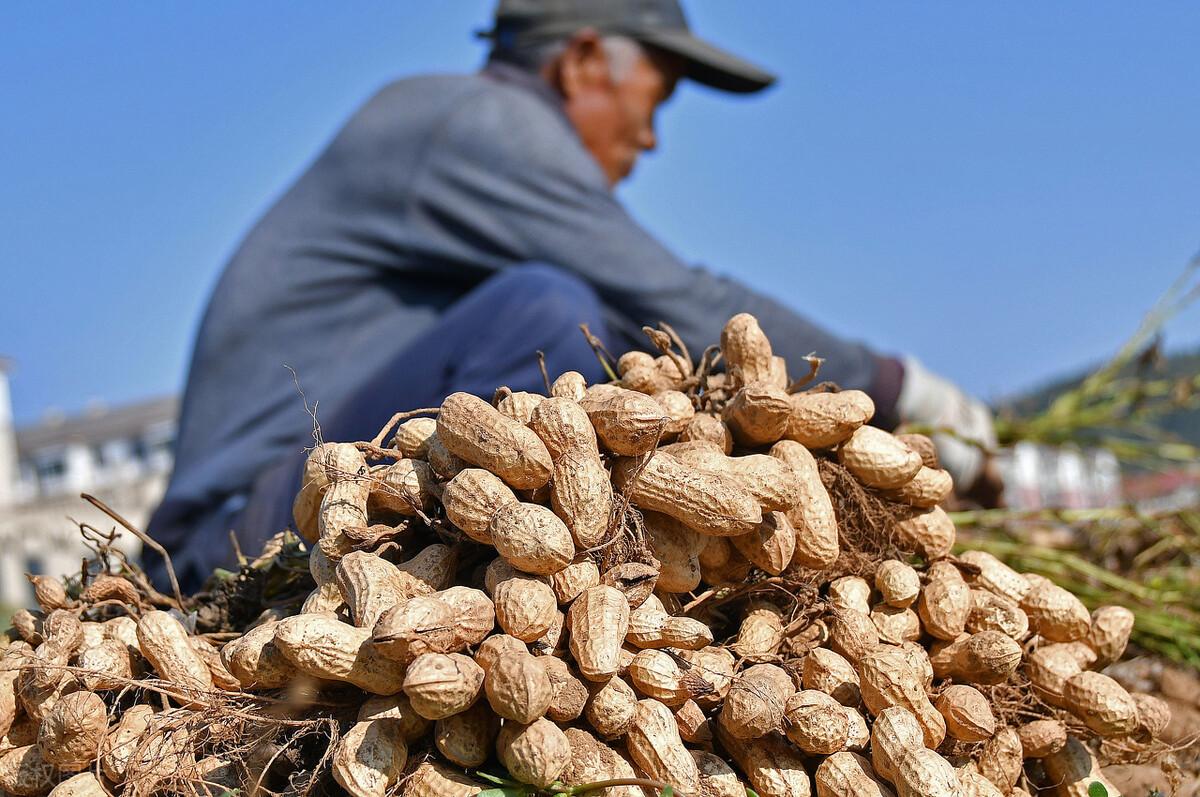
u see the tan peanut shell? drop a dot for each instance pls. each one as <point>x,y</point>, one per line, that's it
<point>694,727</point>
<point>520,406</point>
<point>598,621</point>
<point>442,684</point>
<point>467,739</point>
<point>70,734</point>
<point>992,612</point>
<point>708,428</point>
<point>518,688</point>
<point>405,487</point>
<point>343,506</point>
<point>677,549</point>
<point>324,647</point>
<point>1153,713</point>
<point>424,624</point>
<point>108,665</point>
<point>627,423</point>
<point>1000,760</point>
<point>761,632</point>
<point>945,601</point>
<point>929,533</point>
<point>532,538</point>
<point>369,758</point>
<point>852,634</point>
<point>772,765</point>
<point>582,495</point>
<point>568,692</point>
<point>928,488</point>
<point>1048,669</point>
<point>475,432</point>
<point>654,744</point>
<point>756,701</point>
<point>771,545</point>
<point>165,644</point>
<point>988,657</point>
<point>678,409</point>
<point>850,592</point>
<point>122,741</point>
<point>536,753</point>
<point>444,464</point>
<point>472,498</point>
<point>1073,769</point>
<point>967,712</point>
<point>811,515</point>
<point>1102,703</point>
<point>653,628</point>
<point>412,437</point>
<point>887,680</point>
<point>717,778</point>
<point>1056,614</point>
<point>822,420</point>
<point>635,580</point>
<point>848,775</point>
<point>85,784</point>
<point>708,502</point>
<point>746,349</point>
<point>369,586</point>
<point>396,709</point>
<point>474,614</point>
<point>659,675</point>
<point>898,583</point>
<point>816,723</point>
<point>256,661</point>
<point>24,772</point>
<point>569,384</point>
<point>995,576</point>
<point>610,708</point>
<point>432,779</point>
<point>758,414</point>
<point>324,464</point>
<point>1040,738</point>
<point>593,761</point>
<point>573,579</point>
<point>878,459</point>
<point>895,626</point>
<point>828,672</point>
<point>525,607</point>
<point>1109,633</point>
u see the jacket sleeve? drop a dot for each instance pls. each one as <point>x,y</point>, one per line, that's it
<point>507,181</point>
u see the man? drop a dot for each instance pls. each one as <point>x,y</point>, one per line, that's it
<point>453,227</point>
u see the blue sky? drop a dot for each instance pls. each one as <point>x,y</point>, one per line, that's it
<point>1002,189</point>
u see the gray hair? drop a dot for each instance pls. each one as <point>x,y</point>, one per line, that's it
<point>622,53</point>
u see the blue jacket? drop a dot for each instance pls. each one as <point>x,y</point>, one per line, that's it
<point>436,183</point>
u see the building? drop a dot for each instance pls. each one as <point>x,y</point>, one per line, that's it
<point>121,455</point>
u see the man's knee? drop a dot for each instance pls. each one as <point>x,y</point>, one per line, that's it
<point>552,295</point>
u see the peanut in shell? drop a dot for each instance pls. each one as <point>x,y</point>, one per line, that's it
<point>757,415</point>
<point>967,712</point>
<point>627,423</point>
<point>707,502</point>
<point>467,739</point>
<point>822,420</point>
<point>878,459</point>
<point>847,774</point>
<point>472,498</point>
<point>536,753</point>
<point>817,544</point>
<point>518,688</point>
<point>442,684</point>
<point>475,432</point>
<point>532,538</point>
<point>987,657</point>
<point>598,621</point>
<point>369,758</point>
<point>654,744</point>
<point>945,602</point>
<point>1102,703</point>
<point>1109,634</point>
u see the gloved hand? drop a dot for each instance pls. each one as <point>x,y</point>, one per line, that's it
<point>927,399</point>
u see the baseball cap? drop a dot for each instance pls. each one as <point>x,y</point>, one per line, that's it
<point>659,23</point>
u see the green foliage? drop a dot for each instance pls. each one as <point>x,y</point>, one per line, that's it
<point>1096,789</point>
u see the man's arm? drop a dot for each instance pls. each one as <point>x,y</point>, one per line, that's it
<point>513,180</point>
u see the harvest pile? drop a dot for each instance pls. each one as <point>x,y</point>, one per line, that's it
<point>708,581</point>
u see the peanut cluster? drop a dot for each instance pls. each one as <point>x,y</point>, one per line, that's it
<point>644,581</point>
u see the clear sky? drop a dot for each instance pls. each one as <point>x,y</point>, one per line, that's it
<point>1000,188</point>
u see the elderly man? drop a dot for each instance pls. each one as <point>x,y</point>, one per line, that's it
<point>456,225</point>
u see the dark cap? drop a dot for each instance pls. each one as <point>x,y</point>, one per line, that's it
<point>659,23</point>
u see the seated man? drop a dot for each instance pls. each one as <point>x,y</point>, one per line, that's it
<point>455,225</point>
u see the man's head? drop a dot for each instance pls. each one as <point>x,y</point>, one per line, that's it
<point>614,62</point>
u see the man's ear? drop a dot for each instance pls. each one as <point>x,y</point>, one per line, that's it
<point>583,64</point>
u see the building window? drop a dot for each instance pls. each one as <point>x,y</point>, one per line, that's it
<point>51,469</point>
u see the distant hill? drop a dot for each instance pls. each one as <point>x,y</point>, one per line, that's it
<point>1183,423</point>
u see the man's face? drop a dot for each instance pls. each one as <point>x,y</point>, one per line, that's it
<point>615,118</point>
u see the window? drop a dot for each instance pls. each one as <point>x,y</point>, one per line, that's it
<point>51,469</point>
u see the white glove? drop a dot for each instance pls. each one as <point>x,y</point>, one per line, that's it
<point>929,400</point>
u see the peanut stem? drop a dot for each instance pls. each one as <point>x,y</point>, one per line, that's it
<point>605,784</point>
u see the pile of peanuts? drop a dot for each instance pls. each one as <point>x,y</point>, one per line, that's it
<point>546,587</point>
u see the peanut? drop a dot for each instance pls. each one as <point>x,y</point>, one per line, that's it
<point>816,723</point>
<point>655,746</point>
<point>773,767</point>
<point>848,775</point>
<point>991,612</point>
<point>758,414</point>
<point>472,498</point>
<point>569,384</point>
<point>476,433</point>
<point>467,739</point>
<point>369,758</point>
<point>323,647</point>
<point>536,753</point>
<point>811,515</point>
<point>610,708</point>
<point>532,538</point>
<point>886,680</point>
<point>1073,769</point>
<point>828,672</point>
<point>442,684</point>
<point>878,459</point>
<point>424,624</point>
<point>1056,614</point>
<point>929,533</point>
<point>405,487</point>
<point>822,420</point>
<point>756,701</point>
<point>709,429</point>
<point>593,761</point>
<point>520,406</point>
<point>928,488</point>
<point>746,349</point>
<point>771,545</point>
<point>435,780</point>
<point>1102,703</point>
<point>1000,760</point>
<point>898,583</point>
<point>945,602</point>
<point>413,436</point>
<point>165,644</point>
<point>988,657</point>
<point>967,712</point>
<point>598,621</point>
<point>761,632</point>
<point>518,688</point>
<point>1109,633</point>
<point>626,422</point>
<point>1040,738</point>
<point>707,502</point>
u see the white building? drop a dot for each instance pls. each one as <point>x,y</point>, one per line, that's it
<point>120,455</point>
